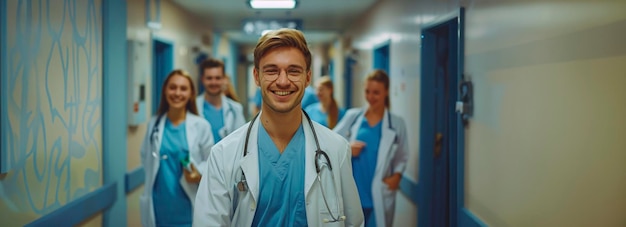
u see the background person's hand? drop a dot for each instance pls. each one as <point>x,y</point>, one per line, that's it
<point>192,176</point>
<point>393,181</point>
<point>357,147</point>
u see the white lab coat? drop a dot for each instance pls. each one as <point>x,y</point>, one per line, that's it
<point>392,158</point>
<point>199,140</point>
<point>232,114</point>
<point>219,203</point>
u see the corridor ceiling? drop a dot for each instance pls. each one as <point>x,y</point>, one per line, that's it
<point>322,20</point>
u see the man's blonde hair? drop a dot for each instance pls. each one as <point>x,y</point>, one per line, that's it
<point>284,37</point>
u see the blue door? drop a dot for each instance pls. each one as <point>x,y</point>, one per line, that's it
<point>162,64</point>
<point>381,57</point>
<point>438,132</point>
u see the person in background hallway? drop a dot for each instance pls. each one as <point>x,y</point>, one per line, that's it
<point>378,163</point>
<point>229,90</point>
<point>265,173</point>
<point>309,97</point>
<point>326,112</point>
<point>173,154</point>
<point>224,114</point>
<point>257,100</point>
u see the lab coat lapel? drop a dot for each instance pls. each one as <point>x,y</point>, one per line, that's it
<point>386,141</point>
<point>356,124</point>
<point>226,114</point>
<point>191,133</point>
<point>159,140</point>
<point>200,104</point>
<point>309,166</point>
<point>250,162</point>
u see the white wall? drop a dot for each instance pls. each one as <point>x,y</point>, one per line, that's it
<point>545,146</point>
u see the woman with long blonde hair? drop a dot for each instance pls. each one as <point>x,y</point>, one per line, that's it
<point>326,111</point>
<point>174,154</point>
<point>379,150</point>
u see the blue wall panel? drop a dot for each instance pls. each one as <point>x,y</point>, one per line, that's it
<point>114,107</point>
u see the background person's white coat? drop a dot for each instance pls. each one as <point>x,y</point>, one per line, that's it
<point>220,203</point>
<point>199,141</point>
<point>392,158</point>
<point>232,114</point>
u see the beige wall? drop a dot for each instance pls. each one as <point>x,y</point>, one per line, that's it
<point>185,32</point>
<point>545,146</point>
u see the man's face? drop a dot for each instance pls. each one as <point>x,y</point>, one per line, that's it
<point>213,81</point>
<point>282,76</point>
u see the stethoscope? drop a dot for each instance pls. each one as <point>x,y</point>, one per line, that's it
<point>154,136</point>
<point>231,111</point>
<point>319,154</point>
<point>395,140</point>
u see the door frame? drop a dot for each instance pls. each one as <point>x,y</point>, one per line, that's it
<point>380,53</point>
<point>459,215</point>
<point>157,79</point>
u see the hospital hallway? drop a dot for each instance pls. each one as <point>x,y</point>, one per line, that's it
<point>515,111</point>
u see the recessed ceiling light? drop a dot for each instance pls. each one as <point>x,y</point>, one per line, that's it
<point>273,4</point>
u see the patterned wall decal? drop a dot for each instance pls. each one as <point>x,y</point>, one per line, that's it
<point>53,94</point>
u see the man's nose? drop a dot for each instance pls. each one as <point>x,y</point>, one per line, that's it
<point>282,77</point>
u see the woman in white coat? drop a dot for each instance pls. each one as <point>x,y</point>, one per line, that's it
<point>378,163</point>
<point>174,153</point>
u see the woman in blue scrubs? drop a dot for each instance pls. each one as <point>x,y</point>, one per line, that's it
<point>326,111</point>
<point>379,150</point>
<point>173,154</point>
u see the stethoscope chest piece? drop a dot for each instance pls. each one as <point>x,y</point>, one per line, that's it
<point>242,186</point>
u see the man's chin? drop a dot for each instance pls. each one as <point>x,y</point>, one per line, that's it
<point>282,108</point>
<point>213,93</point>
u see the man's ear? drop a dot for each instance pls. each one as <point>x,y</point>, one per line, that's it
<point>308,78</point>
<point>255,73</point>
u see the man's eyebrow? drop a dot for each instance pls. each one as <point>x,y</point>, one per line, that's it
<point>296,66</point>
<point>269,66</point>
<point>274,66</point>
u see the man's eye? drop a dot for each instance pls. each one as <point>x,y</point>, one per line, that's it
<point>295,71</point>
<point>270,71</point>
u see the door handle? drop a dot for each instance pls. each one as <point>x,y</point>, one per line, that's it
<point>438,144</point>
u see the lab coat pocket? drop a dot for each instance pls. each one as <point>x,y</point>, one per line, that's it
<point>145,210</point>
<point>328,219</point>
<point>389,202</point>
<point>387,193</point>
<point>190,189</point>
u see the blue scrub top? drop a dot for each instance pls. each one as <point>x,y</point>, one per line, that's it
<point>281,194</point>
<point>364,165</point>
<point>258,100</point>
<point>215,118</point>
<point>309,97</point>
<point>315,113</point>
<point>172,207</point>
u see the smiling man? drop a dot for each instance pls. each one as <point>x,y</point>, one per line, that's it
<point>224,114</point>
<point>274,171</point>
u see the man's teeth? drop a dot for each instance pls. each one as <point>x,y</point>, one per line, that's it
<point>281,93</point>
